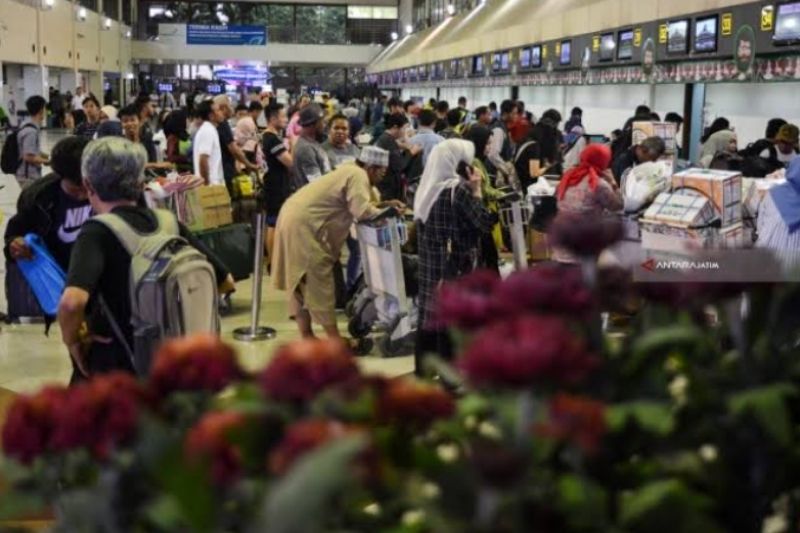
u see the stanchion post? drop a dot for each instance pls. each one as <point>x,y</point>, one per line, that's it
<point>255,332</point>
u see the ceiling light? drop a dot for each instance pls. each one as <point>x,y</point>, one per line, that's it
<point>128,34</point>
<point>107,23</point>
<point>82,14</point>
<point>409,29</point>
<point>48,4</point>
<point>394,36</point>
<point>451,9</point>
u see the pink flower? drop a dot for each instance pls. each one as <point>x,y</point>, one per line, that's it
<point>99,415</point>
<point>409,402</point>
<point>302,369</point>
<point>303,437</point>
<point>575,419</point>
<point>31,422</point>
<point>210,441</point>
<point>197,363</point>
<point>532,349</point>
<point>545,289</point>
<point>467,302</point>
<point>585,234</point>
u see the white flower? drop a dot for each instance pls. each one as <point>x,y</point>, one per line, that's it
<point>678,389</point>
<point>708,453</point>
<point>431,490</point>
<point>413,518</point>
<point>489,430</point>
<point>373,509</point>
<point>448,453</point>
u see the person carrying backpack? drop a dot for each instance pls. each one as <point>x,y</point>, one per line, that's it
<point>130,250</point>
<point>21,153</point>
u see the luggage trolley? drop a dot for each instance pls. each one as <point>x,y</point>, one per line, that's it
<point>386,302</point>
<point>515,214</point>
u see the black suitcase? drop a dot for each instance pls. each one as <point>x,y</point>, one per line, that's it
<point>22,303</point>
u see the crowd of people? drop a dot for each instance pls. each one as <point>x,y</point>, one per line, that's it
<point>316,176</point>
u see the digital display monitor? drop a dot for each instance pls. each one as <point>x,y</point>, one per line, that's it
<point>505,65</point>
<point>165,87</point>
<point>787,24</point>
<point>536,56</point>
<point>106,85</point>
<point>705,34</point>
<point>500,62</point>
<point>422,72</point>
<point>214,88</point>
<point>525,58</point>
<point>566,53</point>
<point>678,37</point>
<point>625,45</point>
<point>608,45</point>
<point>477,64</point>
<point>455,67</point>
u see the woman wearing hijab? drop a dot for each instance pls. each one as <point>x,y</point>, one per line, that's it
<point>779,220</point>
<point>721,142</point>
<point>575,144</point>
<point>451,217</point>
<point>178,141</point>
<point>491,242</point>
<point>588,188</point>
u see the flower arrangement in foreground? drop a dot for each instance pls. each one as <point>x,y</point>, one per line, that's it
<point>686,422</point>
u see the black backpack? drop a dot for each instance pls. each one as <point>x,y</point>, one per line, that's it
<point>9,157</point>
<point>753,165</point>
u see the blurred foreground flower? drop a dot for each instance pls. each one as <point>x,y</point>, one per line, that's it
<point>414,403</point>
<point>545,289</point>
<point>303,437</point>
<point>300,370</point>
<point>585,235</point>
<point>99,415</point>
<point>527,350</point>
<point>30,423</point>
<point>196,363</point>
<point>210,441</point>
<point>580,421</point>
<point>467,302</point>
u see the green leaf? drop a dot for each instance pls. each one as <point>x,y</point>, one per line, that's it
<point>191,488</point>
<point>15,505</point>
<point>582,502</point>
<point>298,502</point>
<point>768,406</point>
<point>662,340</point>
<point>665,505</point>
<point>651,416</point>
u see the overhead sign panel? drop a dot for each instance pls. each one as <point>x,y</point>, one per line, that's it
<point>226,35</point>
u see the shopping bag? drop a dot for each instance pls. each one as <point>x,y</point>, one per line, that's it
<point>45,277</point>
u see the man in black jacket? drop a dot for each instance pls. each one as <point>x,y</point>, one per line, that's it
<point>401,155</point>
<point>54,207</point>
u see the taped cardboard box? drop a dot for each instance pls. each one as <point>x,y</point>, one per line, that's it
<point>723,188</point>
<point>207,207</point>
<point>667,131</point>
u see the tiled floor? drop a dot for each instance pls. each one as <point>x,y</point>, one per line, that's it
<point>28,358</point>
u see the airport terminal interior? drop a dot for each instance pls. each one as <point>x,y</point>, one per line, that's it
<point>400,266</point>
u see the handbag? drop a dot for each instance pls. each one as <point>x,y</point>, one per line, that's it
<point>45,277</point>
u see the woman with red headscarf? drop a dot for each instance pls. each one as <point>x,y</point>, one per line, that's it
<point>590,186</point>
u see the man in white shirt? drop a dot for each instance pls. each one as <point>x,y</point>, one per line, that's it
<point>206,150</point>
<point>77,100</point>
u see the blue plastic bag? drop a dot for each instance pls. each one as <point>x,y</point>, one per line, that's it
<point>45,277</point>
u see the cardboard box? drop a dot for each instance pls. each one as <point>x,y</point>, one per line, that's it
<point>538,245</point>
<point>666,130</point>
<point>207,207</point>
<point>722,188</point>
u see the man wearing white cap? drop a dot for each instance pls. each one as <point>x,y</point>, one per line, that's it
<point>311,230</point>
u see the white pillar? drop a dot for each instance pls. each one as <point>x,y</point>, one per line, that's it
<point>95,85</point>
<point>35,79</point>
<point>69,80</point>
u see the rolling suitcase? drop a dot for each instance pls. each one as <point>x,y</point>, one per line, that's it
<point>234,246</point>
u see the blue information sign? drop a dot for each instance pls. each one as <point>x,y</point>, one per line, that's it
<point>226,35</point>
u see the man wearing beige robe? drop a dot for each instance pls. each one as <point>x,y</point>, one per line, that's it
<point>311,230</point>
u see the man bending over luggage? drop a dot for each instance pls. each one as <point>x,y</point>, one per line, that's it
<point>100,267</point>
<point>312,228</point>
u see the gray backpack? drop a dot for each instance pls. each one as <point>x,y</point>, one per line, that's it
<point>173,288</point>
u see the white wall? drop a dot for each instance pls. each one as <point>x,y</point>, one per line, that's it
<point>540,99</point>
<point>750,106</point>
<point>476,96</point>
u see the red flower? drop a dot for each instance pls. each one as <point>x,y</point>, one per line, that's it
<point>546,289</point>
<point>525,350</point>
<point>303,437</point>
<point>30,423</point>
<point>197,363</point>
<point>467,302</point>
<point>99,415</point>
<point>585,234</point>
<point>210,441</point>
<point>574,419</point>
<point>300,370</point>
<point>411,402</point>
